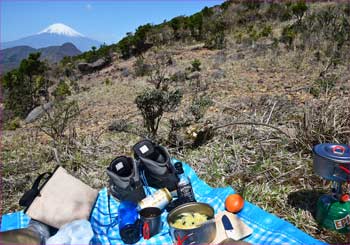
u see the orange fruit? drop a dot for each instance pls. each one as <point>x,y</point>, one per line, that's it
<point>234,203</point>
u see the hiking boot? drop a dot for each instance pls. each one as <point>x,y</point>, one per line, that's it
<point>124,180</point>
<point>155,162</point>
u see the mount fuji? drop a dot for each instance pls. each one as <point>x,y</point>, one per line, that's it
<point>54,35</point>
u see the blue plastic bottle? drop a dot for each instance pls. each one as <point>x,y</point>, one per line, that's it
<point>128,220</point>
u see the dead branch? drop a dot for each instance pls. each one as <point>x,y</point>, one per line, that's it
<point>251,123</point>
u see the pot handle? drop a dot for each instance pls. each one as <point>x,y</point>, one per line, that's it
<point>179,240</point>
<point>146,231</point>
<point>338,149</point>
<point>345,169</point>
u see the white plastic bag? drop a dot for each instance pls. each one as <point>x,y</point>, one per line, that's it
<point>76,232</point>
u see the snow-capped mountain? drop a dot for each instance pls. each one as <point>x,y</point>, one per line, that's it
<point>54,35</point>
<point>61,29</point>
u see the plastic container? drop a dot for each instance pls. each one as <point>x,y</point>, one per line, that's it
<point>76,232</point>
<point>129,223</point>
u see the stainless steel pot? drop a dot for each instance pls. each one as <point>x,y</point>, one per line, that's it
<point>203,234</point>
<point>332,161</point>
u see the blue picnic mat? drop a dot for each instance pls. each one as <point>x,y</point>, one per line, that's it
<point>267,228</point>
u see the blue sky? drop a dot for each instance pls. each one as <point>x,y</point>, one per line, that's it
<point>105,21</point>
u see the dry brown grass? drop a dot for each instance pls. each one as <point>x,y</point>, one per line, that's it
<point>256,160</point>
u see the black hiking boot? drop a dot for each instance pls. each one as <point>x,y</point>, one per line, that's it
<point>124,180</point>
<point>155,162</point>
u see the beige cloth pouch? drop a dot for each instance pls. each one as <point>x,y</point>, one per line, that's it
<point>60,200</point>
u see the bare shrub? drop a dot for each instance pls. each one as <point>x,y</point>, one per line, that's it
<point>199,106</point>
<point>175,138</point>
<point>58,125</point>
<point>56,121</point>
<point>153,103</point>
<point>120,125</point>
<point>141,68</point>
<point>157,75</point>
<point>179,77</point>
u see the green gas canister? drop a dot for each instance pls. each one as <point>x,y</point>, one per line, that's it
<point>334,214</point>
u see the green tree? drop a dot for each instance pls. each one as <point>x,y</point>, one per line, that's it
<point>196,65</point>
<point>288,35</point>
<point>24,86</point>
<point>93,49</point>
<point>105,52</point>
<point>135,44</point>
<point>176,23</point>
<point>125,46</point>
<point>196,25</point>
<point>299,9</point>
<point>207,12</point>
<point>225,5</point>
<point>140,39</point>
<point>62,90</point>
<point>251,4</point>
<point>278,11</point>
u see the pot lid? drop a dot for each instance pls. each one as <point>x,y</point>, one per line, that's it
<point>335,152</point>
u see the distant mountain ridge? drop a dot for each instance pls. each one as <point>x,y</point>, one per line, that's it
<point>12,57</point>
<point>54,35</point>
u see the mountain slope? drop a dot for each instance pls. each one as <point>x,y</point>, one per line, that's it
<point>56,53</point>
<point>54,35</point>
<point>12,57</point>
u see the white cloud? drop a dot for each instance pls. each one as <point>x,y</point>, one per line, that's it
<point>88,6</point>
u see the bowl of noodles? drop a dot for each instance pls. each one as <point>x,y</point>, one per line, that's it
<point>192,223</point>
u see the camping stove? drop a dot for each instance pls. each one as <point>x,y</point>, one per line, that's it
<point>332,162</point>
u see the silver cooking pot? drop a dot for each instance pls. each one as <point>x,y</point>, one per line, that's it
<point>332,161</point>
<point>202,234</point>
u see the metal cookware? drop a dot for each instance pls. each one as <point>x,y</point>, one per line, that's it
<point>202,234</point>
<point>150,221</point>
<point>332,161</point>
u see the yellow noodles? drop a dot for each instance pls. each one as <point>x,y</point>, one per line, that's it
<point>189,220</point>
